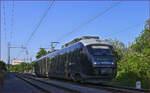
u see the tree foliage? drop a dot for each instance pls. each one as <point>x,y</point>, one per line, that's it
<point>41,53</point>
<point>3,66</point>
<point>23,67</point>
<point>134,65</point>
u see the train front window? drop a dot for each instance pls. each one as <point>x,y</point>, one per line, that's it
<point>104,58</point>
<point>99,50</point>
<point>101,53</point>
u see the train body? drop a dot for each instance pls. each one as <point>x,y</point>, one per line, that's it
<point>88,59</point>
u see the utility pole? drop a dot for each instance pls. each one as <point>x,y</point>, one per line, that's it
<point>30,59</point>
<point>9,47</point>
<point>8,55</point>
<point>31,66</point>
<point>27,60</point>
<point>27,54</point>
<point>0,34</point>
<point>52,46</point>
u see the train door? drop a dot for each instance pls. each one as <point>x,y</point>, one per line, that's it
<point>74,64</point>
<point>69,65</point>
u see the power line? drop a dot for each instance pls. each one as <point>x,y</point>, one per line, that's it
<point>88,21</point>
<point>126,29</point>
<point>38,25</point>
<point>12,22</point>
<point>5,29</point>
<point>0,37</point>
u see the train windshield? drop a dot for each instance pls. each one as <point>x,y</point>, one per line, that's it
<point>100,50</point>
<point>104,58</point>
<point>101,53</point>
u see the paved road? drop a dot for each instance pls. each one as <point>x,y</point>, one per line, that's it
<point>13,84</point>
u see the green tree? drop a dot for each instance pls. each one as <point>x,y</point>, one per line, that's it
<point>142,43</point>
<point>3,66</point>
<point>134,64</point>
<point>41,53</point>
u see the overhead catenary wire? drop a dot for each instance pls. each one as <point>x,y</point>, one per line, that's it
<point>126,29</point>
<point>88,21</point>
<point>12,22</point>
<point>5,25</point>
<point>38,25</point>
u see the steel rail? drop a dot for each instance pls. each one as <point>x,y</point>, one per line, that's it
<point>27,79</point>
<point>34,85</point>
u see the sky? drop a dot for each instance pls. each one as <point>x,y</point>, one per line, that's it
<point>123,22</point>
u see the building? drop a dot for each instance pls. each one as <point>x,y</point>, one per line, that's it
<point>16,62</point>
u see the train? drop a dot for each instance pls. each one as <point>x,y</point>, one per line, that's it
<point>88,59</point>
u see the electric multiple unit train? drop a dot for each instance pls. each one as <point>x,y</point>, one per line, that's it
<point>88,59</point>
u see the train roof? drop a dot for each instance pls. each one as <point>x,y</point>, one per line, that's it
<point>56,52</point>
<point>90,41</point>
<point>86,41</point>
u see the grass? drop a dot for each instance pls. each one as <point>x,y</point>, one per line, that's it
<point>2,77</point>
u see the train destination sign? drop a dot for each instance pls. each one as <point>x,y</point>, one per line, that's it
<point>101,47</point>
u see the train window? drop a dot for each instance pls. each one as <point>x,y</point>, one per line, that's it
<point>56,64</point>
<point>52,64</point>
<point>59,63</point>
<point>62,57</point>
<point>74,55</point>
<point>71,55</point>
<point>105,58</point>
<point>99,50</point>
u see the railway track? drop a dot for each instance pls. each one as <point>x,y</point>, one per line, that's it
<point>55,86</point>
<point>112,88</point>
<point>44,87</point>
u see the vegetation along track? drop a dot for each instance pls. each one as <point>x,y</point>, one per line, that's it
<point>118,88</point>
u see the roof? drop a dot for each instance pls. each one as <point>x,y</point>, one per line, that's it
<point>93,41</point>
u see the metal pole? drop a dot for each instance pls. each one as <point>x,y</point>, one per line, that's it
<point>9,46</point>
<point>30,59</point>
<point>27,61</point>
<point>27,54</point>
<point>52,48</point>
<point>8,55</point>
<point>46,69</point>
<point>0,32</point>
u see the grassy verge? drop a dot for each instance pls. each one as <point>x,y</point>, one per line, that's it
<point>2,77</point>
<point>131,83</point>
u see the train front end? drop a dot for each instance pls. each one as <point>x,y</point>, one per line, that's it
<point>103,61</point>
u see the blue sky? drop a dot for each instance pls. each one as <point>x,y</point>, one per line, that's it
<point>65,16</point>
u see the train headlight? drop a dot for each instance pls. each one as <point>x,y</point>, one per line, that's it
<point>94,63</point>
<point>112,63</point>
